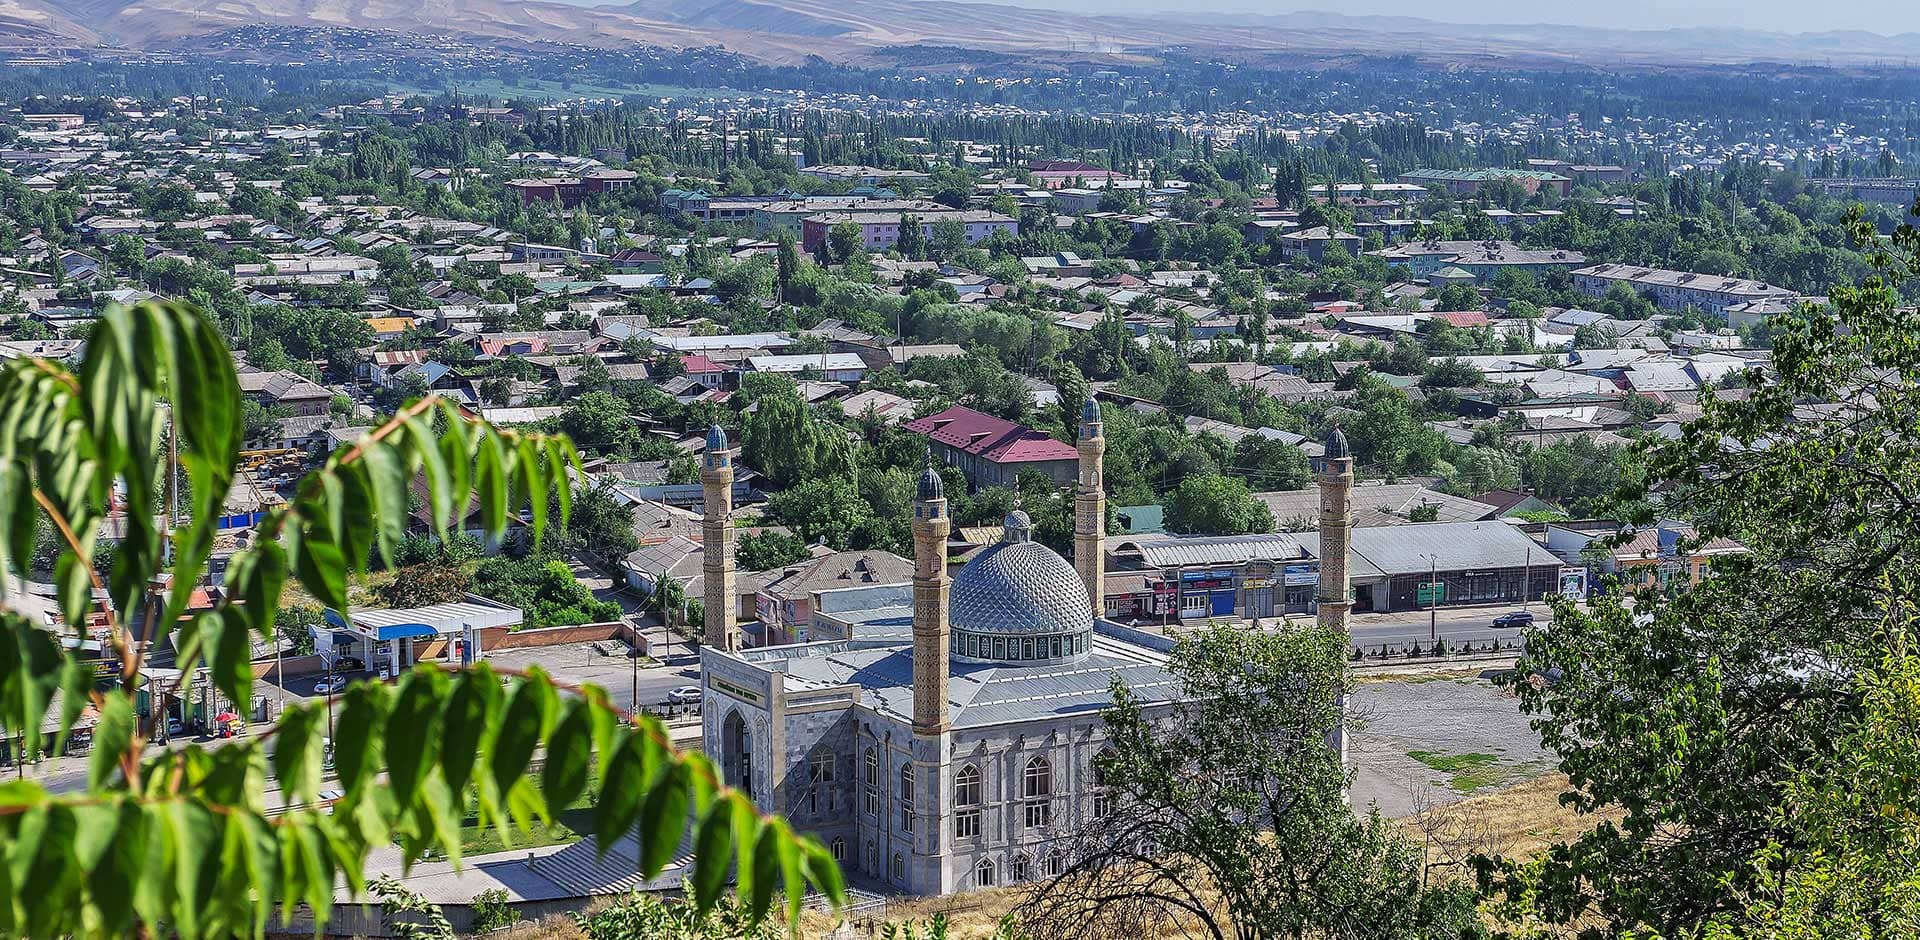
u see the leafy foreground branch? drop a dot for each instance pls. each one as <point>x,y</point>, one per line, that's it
<point>182,840</point>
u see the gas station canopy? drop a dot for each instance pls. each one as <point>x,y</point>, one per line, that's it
<point>454,619</point>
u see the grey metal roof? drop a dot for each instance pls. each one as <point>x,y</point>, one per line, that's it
<point>1175,551</point>
<point>981,694</point>
<point>1452,546</point>
<point>1019,587</point>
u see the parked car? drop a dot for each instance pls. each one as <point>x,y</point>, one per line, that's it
<point>329,685</point>
<point>685,695</point>
<point>1518,618</point>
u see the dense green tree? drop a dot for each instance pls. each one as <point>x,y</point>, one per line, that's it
<point>1214,504</point>
<point>1758,673</point>
<point>1226,814</point>
<point>764,551</point>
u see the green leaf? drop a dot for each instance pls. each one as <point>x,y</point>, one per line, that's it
<point>492,483</point>
<point>112,736</point>
<point>440,489</point>
<point>569,750</point>
<point>626,786</point>
<point>825,872</point>
<point>355,735</point>
<point>746,836</point>
<point>764,864</point>
<point>713,848</point>
<point>228,645</point>
<point>793,867</point>
<point>519,733</point>
<point>413,731</point>
<point>322,567</point>
<point>387,476</point>
<point>297,753</point>
<point>664,818</point>
<point>470,710</point>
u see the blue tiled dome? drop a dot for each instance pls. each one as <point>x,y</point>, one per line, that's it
<point>716,438</point>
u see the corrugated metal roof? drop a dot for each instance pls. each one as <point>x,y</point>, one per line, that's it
<point>1175,551</point>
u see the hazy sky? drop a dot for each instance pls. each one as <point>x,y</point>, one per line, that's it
<point>1792,16</point>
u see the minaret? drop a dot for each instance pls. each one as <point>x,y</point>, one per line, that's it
<point>932,864</point>
<point>1335,595</point>
<point>1090,508</point>
<point>930,584</point>
<point>716,547</point>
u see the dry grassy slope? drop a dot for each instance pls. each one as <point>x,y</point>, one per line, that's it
<point>27,24</point>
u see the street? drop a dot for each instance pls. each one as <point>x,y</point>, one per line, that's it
<point>1457,625</point>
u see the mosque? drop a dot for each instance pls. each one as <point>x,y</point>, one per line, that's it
<point>952,746</point>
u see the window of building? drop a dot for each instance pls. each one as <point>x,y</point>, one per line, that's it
<point>1194,603</point>
<point>906,797</point>
<point>1102,786</point>
<point>1037,788</point>
<point>873,859</point>
<point>966,800</point>
<point>838,849</point>
<point>1021,869</point>
<point>983,874</point>
<point>1055,864</point>
<point>899,867</point>
<point>871,790</point>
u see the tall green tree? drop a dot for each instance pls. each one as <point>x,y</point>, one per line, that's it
<point>1225,813</point>
<point>179,840</point>
<point>1668,698</point>
<point>1213,504</point>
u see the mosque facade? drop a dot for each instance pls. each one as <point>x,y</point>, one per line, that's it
<point>950,745</point>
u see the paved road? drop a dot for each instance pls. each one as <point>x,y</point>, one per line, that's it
<point>1457,626</point>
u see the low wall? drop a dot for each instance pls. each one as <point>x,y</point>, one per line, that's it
<point>290,665</point>
<point>500,638</point>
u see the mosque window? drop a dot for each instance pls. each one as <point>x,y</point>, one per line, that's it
<point>1103,786</point>
<point>983,874</point>
<point>1021,869</point>
<point>906,797</point>
<point>966,796</point>
<point>871,790</point>
<point>1055,864</point>
<point>899,867</point>
<point>1038,790</point>
<point>838,849</point>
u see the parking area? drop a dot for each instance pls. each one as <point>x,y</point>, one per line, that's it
<point>1430,741</point>
<point>622,677</point>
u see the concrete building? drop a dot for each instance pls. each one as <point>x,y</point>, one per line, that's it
<point>1481,259</point>
<point>880,230</point>
<point>1468,182</point>
<point>1675,290</point>
<point>570,191</point>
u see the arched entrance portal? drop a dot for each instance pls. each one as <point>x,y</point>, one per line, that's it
<point>736,749</point>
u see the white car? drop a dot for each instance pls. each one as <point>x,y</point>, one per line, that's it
<point>685,695</point>
<point>330,685</point>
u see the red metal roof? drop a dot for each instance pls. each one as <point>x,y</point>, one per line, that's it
<point>1464,318</point>
<point>994,439</point>
<point>697,363</point>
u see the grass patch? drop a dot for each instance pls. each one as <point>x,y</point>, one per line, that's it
<point>1467,773</point>
<point>569,826</point>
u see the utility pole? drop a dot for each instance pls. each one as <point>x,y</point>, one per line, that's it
<point>1526,583</point>
<point>1433,599</point>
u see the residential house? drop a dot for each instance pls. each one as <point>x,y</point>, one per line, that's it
<point>993,451</point>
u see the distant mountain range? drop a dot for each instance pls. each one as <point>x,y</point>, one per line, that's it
<point>861,30</point>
